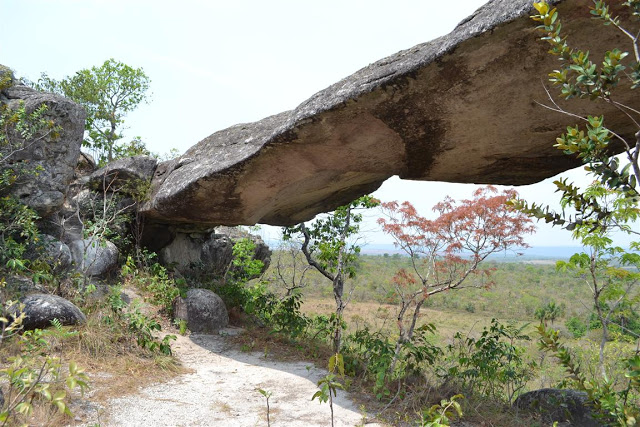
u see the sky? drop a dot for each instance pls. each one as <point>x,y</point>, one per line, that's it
<point>213,64</point>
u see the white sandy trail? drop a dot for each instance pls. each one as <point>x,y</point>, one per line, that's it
<point>222,391</point>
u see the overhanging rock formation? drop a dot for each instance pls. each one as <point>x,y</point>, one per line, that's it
<point>461,108</point>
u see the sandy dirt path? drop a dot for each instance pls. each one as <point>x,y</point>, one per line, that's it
<point>222,391</point>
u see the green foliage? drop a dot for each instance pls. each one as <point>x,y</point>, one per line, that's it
<point>19,130</point>
<point>442,414</point>
<point>154,280</point>
<point>374,354</point>
<point>107,93</point>
<point>576,327</point>
<point>140,327</point>
<point>243,266</point>
<point>579,77</point>
<point>266,394</point>
<point>328,385</point>
<point>328,237</point>
<point>282,314</point>
<point>549,312</point>
<point>491,365</point>
<point>35,375</point>
<point>614,407</point>
<point>327,248</point>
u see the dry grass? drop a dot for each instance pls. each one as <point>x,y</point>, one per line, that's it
<point>110,357</point>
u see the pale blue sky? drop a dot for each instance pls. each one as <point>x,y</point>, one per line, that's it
<point>213,64</point>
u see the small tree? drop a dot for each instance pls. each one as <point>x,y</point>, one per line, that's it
<point>611,202</point>
<point>447,251</point>
<point>327,247</point>
<point>108,93</point>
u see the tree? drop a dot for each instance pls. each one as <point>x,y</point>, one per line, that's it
<point>609,203</point>
<point>327,248</point>
<point>549,313</point>
<point>447,251</point>
<point>107,93</point>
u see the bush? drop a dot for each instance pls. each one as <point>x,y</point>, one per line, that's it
<point>576,327</point>
<point>492,365</point>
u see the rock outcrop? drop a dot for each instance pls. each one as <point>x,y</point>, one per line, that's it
<point>55,157</point>
<point>126,174</point>
<point>461,108</point>
<point>209,255</point>
<point>41,309</point>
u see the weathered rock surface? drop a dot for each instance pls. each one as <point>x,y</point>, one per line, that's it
<point>41,309</point>
<point>209,254</point>
<point>52,251</point>
<point>568,407</point>
<point>461,108</point>
<point>128,170</point>
<point>93,258</point>
<point>21,285</point>
<point>56,157</point>
<point>203,310</point>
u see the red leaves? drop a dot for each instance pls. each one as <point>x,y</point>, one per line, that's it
<point>449,248</point>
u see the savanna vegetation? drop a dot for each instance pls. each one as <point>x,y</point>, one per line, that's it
<point>434,333</point>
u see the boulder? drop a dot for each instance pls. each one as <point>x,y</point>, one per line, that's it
<point>55,158</point>
<point>21,285</point>
<point>128,170</point>
<point>460,108</point>
<point>203,310</point>
<point>52,251</point>
<point>41,309</point>
<point>568,407</point>
<point>92,257</point>
<point>209,254</point>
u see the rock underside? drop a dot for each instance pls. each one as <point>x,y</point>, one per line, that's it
<point>461,108</point>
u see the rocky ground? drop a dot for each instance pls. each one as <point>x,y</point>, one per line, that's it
<point>222,390</point>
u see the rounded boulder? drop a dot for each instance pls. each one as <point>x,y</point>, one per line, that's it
<point>203,310</point>
<point>41,309</point>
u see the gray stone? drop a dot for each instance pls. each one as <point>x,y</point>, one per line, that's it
<point>123,171</point>
<point>85,166</point>
<point>21,285</point>
<point>93,258</point>
<point>460,108</point>
<point>55,157</point>
<point>203,310</point>
<point>41,309</point>
<point>52,251</point>
<point>568,407</point>
<point>209,254</point>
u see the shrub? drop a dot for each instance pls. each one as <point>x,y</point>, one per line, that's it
<point>491,365</point>
<point>576,326</point>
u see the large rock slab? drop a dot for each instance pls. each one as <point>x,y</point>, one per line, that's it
<point>461,108</point>
<point>55,158</point>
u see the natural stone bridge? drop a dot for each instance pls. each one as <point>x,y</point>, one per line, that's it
<point>461,108</point>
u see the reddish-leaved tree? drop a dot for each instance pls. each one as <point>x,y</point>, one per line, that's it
<point>447,250</point>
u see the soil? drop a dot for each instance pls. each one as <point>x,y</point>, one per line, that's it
<point>221,389</point>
